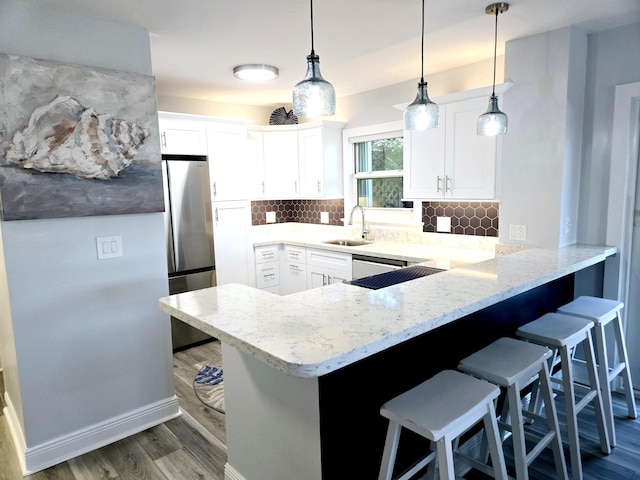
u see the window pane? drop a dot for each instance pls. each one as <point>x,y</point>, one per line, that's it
<point>380,192</point>
<point>379,155</point>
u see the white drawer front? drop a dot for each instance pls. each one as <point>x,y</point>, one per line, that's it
<point>266,253</point>
<point>295,254</point>
<point>327,258</point>
<point>267,274</point>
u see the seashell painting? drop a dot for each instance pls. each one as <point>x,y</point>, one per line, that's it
<point>77,141</point>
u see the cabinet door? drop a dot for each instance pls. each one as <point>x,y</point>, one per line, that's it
<point>338,276</point>
<point>232,239</point>
<point>256,163</point>
<point>316,277</point>
<point>293,278</point>
<point>423,159</point>
<point>320,162</point>
<point>280,156</point>
<point>230,167</point>
<point>182,136</point>
<point>470,159</point>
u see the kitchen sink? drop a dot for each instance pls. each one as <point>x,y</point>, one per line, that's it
<point>348,243</point>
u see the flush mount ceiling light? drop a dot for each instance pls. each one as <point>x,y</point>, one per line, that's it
<point>422,113</point>
<point>313,96</point>
<point>493,122</point>
<point>255,72</point>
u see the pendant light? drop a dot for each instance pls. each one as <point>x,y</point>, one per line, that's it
<point>313,96</point>
<point>422,113</point>
<point>493,122</point>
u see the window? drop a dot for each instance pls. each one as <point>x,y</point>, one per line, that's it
<point>378,172</point>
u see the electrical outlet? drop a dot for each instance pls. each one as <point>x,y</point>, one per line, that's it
<point>518,232</point>
<point>443,224</point>
<point>271,217</point>
<point>324,217</point>
<point>567,225</point>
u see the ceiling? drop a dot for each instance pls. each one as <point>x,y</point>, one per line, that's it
<point>362,44</point>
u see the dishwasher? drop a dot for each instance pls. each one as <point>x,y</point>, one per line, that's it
<point>365,266</point>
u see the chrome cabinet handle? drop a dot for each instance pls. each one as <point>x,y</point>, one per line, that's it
<point>447,183</point>
<point>215,190</point>
<point>164,139</point>
<point>319,187</point>
<point>438,184</point>
<point>216,214</point>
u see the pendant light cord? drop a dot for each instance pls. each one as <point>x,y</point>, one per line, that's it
<point>422,51</point>
<point>312,51</point>
<point>495,52</point>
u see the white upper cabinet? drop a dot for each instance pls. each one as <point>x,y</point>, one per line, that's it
<point>297,161</point>
<point>320,162</point>
<point>280,164</point>
<point>231,167</point>
<point>452,161</point>
<point>181,135</point>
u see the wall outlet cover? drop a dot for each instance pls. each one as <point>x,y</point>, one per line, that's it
<point>443,224</point>
<point>271,217</point>
<point>324,217</point>
<point>518,232</point>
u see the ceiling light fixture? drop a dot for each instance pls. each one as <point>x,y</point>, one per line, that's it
<point>422,113</point>
<point>255,72</point>
<point>313,96</point>
<point>494,122</point>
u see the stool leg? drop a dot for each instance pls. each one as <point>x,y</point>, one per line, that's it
<point>445,459</point>
<point>622,352</point>
<point>390,451</point>
<point>517,430</point>
<point>572,419</point>
<point>546,393</point>
<point>605,381</point>
<point>495,444</point>
<point>605,445</point>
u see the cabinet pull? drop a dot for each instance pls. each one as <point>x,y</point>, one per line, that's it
<point>295,186</point>
<point>438,184</point>
<point>164,139</point>
<point>262,187</point>
<point>294,267</point>
<point>447,183</point>
<point>319,185</point>
<point>215,190</point>
<point>216,214</point>
<point>324,279</point>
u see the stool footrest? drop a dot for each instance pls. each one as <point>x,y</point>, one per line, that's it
<point>416,467</point>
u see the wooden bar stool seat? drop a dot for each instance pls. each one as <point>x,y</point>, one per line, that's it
<point>602,312</point>
<point>563,333</point>
<point>514,365</point>
<point>441,409</point>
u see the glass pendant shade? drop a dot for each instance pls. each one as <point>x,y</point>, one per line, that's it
<point>422,113</point>
<point>314,96</point>
<point>492,122</point>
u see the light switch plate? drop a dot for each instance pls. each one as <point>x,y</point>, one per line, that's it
<point>271,217</point>
<point>109,247</point>
<point>443,224</point>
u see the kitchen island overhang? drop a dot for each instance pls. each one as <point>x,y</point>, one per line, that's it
<point>337,353</point>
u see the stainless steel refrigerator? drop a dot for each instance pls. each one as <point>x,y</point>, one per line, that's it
<point>190,245</point>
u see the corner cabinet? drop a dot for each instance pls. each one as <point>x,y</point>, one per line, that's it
<point>452,161</point>
<point>297,161</point>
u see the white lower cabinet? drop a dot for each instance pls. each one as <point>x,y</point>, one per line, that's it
<point>232,234</point>
<point>325,267</point>
<point>268,268</point>
<point>293,270</point>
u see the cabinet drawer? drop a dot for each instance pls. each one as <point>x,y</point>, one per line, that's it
<point>266,253</point>
<point>295,254</point>
<point>327,258</point>
<point>267,274</point>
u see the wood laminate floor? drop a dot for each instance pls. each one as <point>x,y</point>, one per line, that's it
<point>193,445</point>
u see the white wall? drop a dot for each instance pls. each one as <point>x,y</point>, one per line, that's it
<point>613,59</point>
<point>85,347</point>
<point>540,166</point>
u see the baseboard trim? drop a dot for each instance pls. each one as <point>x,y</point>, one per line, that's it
<point>231,473</point>
<point>15,430</point>
<point>98,435</point>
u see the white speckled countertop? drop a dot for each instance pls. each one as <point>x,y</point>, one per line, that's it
<point>317,331</point>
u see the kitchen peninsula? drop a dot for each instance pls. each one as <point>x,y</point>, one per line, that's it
<point>305,374</point>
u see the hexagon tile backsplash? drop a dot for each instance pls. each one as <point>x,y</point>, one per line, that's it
<point>467,218</point>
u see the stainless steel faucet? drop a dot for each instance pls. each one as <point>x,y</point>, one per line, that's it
<point>364,228</point>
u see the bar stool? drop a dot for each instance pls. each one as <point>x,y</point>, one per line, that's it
<point>440,410</point>
<point>562,333</point>
<point>601,312</point>
<point>514,365</point>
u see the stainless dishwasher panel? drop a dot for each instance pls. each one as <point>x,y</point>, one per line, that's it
<point>363,266</point>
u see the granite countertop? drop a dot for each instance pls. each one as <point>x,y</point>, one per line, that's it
<point>315,332</point>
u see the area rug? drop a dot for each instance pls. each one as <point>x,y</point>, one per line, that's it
<point>208,385</point>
